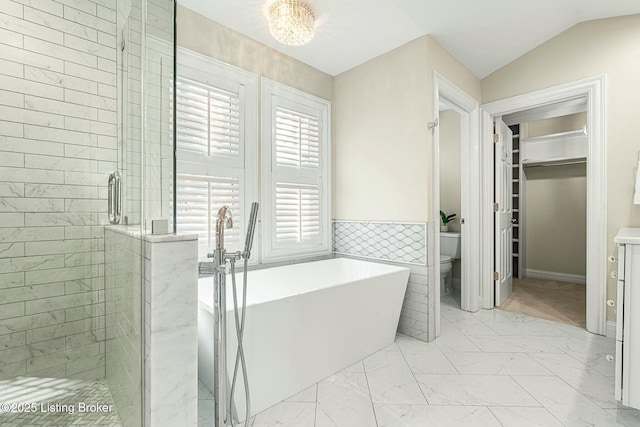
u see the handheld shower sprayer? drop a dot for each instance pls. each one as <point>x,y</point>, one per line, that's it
<point>224,220</point>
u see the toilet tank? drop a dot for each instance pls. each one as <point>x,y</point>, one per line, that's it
<point>450,244</point>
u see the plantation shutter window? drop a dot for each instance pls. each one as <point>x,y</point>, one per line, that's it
<point>295,173</point>
<point>216,138</point>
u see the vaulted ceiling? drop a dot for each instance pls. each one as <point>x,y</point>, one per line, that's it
<point>483,35</point>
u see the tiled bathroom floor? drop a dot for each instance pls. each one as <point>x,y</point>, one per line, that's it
<point>52,391</point>
<point>491,368</point>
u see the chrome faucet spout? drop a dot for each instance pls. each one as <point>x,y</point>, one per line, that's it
<point>224,219</point>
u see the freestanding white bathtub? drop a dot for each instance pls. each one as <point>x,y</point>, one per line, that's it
<point>305,322</point>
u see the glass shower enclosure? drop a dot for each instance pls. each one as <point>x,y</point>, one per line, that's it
<point>85,91</point>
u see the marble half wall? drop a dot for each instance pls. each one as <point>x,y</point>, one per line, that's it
<point>403,244</point>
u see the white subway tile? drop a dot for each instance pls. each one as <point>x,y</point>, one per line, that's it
<point>25,27</point>
<point>64,108</point>
<point>60,330</point>
<point>11,68</point>
<point>107,65</point>
<point>59,219</point>
<point>89,20</point>
<point>106,167</point>
<point>21,145</point>
<point>85,285</point>
<point>107,39</point>
<point>88,73</point>
<point>105,116</point>
<point>63,247</point>
<point>85,205</point>
<point>15,54</point>
<point>82,178</point>
<point>61,24</point>
<point>37,364</point>
<point>10,250</point>
<point>31,234</point>
<point>12,370</point>
<point>111,4</point>
<point>15,339</point>
<point>60,163</point>
<point>8,311</point>
<point>87,6</point>
<point>89,100</point>
<point>84,232</point>
<point>10,280</point>
<point>11,129</point>
<point>60,302</point>
<point>21,174</point>
<point>12,99</point>
<point>21,86</point>
<point>29,263</point>
<point>11,159</point>
<point>30,322</point>
<point>84,312</point>
<point>78,151</point>
<point>106,13</point>
<point>49,6</point>
<point>82,125</point>
<point>11,220</point>
<point>107,90</point>
<point>22,115</point>
<point>61,191</point>
<point>59,80</point>
<point>59,135</point>
<point>84,258</point>
<point>11,38</point>
<point>11,8</point>
<point>58,51</point>
<point>89,47</point>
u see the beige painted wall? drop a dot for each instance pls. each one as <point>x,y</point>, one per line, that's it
<point>450,162</point>
<point>208,37</point>
<point>380,114</point>
<point>382,146</point>
<point>556,219</point>
<point>554,125</point>
<point>607,46</point>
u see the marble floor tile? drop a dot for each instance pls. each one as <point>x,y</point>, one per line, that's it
<point>391,380</point>
<point>477,390</point>
<point>434,416</point>
<point>514,344</point>
<point>496,364</point>
<point>626,417</point>
<point>565,403</point>
<point>451,339</point>
<point>356,367</point>
<point>287,414</point>
<point>432,362</point>
<point>203,391</point>
<point>306,395</point>
<point>344,401</point>
<point>592,384</point>
<point>532,328</point>
<point>205,413</point>
<point>529,417</point>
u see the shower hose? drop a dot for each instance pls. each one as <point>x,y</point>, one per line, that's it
<point>240,332</point>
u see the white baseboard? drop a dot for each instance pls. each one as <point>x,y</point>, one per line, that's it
<point>552,275</point>
<point>611,329</point>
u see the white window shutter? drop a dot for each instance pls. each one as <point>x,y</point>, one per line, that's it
<point>297,139</point>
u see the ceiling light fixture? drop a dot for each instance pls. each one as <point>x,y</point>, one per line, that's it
<point>291,22</point>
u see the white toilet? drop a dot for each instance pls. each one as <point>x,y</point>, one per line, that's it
<point>449,250</point>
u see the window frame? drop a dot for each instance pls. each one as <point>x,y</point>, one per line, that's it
<point>274,94</point>
<point>210,72</point>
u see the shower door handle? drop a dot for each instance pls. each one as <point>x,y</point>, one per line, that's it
<point>114,198</point>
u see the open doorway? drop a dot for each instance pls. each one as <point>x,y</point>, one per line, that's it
<point>591,93</point>
<point>548,195</point>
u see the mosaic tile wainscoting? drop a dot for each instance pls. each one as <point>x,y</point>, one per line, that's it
<point>403,244</point>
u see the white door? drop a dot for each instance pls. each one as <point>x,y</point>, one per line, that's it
<point>503,210</point>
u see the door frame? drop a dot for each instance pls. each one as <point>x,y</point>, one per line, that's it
<point>469,110</point>
<point>594,90</point>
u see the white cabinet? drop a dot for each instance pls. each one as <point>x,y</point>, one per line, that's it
<point>627,381</point>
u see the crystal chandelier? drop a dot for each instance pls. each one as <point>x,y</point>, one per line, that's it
<point>291,22</point>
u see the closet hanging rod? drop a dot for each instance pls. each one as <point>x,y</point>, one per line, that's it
<point>555,163</point>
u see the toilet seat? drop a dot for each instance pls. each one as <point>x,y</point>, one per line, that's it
<point>444,259</point>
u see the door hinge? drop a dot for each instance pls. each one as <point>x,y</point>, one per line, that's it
<point>496,207</point>
<point>496,275</point>
<point>496,138</point>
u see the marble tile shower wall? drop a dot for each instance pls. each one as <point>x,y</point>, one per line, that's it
<point>58,142</point>
<point>393,243</point>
